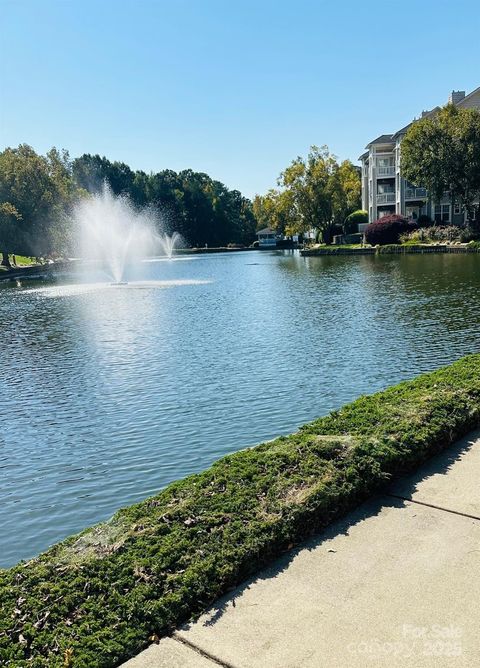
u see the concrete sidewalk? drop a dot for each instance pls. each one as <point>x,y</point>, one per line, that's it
<point>394,584</point>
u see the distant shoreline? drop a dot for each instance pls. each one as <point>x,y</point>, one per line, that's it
<point>394,249</point>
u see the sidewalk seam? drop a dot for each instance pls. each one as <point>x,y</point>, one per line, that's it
<point>202,652</point>
<point>432,505</point>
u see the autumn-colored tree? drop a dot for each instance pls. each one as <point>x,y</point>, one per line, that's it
<point>316,192</point>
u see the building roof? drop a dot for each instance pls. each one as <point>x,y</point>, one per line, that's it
<point>425,114</point>
<point>402,131</point>
<point>390,139</point>
<point>467,97</point>
<point>383,139</point>
<point>266,230</point>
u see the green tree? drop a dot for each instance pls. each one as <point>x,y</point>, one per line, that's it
<point>9,231</point>
<point>321,192</point>
<point>275,209</point>
<point>91,171</point>
<point>345,188</point>
<point>442,153</point>
<point>41,190</point>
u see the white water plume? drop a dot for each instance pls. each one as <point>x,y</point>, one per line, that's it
<point>113,233</point>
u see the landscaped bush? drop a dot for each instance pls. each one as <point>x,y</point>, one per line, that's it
<point>97,598</point>
<point>440,234</point>
<point>359,217</point>
<point>387,230</point>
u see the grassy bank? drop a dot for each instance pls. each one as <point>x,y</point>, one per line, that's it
<point>409,247</point>
<point>96,598</point>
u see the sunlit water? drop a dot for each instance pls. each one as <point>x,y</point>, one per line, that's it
<point>109,393</point>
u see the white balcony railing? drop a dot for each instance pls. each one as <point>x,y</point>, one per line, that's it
<point>415,193</point>
<point>386,171</point>
<point>386,198</point>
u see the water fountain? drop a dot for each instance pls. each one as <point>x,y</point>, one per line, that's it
<point>169,243</point>
<point>113,233</point>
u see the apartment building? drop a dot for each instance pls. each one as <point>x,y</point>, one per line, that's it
<point>385,191</point>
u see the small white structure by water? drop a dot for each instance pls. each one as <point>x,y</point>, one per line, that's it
<point>267,238</point>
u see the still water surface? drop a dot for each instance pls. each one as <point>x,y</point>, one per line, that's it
<point>108,394</point>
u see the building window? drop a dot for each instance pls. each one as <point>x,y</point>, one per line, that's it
<point>442,213</point>
<point>457,209</point>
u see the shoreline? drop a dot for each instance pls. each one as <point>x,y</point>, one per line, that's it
<point>394,249</point>
<point>114,586</point>
<point>35,270</point>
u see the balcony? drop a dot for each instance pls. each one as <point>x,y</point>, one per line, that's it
<point>386,171</point>
<point>386,198</point>
<point>415,193</point>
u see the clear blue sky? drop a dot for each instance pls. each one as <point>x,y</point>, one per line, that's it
<point>233,88</point>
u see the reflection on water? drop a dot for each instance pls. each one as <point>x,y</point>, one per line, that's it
<point>72,289</point>
<point>109,393</point>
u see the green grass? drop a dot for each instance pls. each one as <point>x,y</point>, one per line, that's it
<point>334,246</point>
<point>96,598</point>
<point>22,261</point>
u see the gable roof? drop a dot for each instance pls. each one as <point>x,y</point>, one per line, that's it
<point>266,230</point>
<point>383,139</point>
<point>403,130</point>
<point>467,97</point>
<point>425,114</point>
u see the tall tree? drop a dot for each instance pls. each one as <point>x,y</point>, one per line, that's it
<point>276,209</point>
<point>41,190</point>
<point>345,189</point>
<point>442,153</point>
<point>321,192</point>
<point>91,171</point>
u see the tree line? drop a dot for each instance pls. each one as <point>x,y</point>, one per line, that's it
<point>440,152</point>
<point>37,193</point>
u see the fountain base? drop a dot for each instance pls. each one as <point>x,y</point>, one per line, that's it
<point>119,283</point>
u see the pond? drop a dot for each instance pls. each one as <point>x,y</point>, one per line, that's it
<point>110,393</point>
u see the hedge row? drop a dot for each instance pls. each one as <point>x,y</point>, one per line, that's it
<point>97,598</point>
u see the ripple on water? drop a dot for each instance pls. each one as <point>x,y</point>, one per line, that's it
<point>111,393</point>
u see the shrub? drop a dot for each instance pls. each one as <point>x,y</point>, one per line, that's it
<point>359,217</point>
<point>415,237</point>
<point>387,230</point>
<point>442,234</point>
